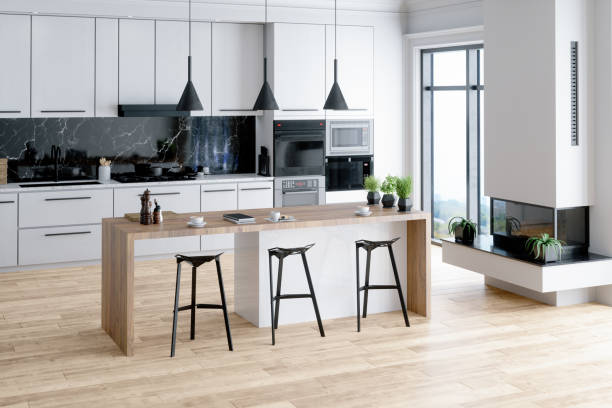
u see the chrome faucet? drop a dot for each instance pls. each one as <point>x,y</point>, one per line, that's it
<point>56,154</point>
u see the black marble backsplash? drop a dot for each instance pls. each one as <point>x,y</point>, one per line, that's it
<point>223,144</point>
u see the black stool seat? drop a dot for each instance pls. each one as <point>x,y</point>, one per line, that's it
<point>195,262</point>
<point>281,253</point>
<point>369,246</point>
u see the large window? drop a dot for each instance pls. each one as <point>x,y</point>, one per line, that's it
<point>452,136</point>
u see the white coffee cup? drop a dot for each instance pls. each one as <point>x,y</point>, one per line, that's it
<point>275,216</point>
<point>363,209</point>
<point>196,219</point>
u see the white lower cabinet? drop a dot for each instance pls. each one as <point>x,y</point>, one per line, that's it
<point>180,199</point>
<point>53,208</point>
<point>255,195</point>
<point>8,227</point>
<point>60,244</point>
<point>219,197</point>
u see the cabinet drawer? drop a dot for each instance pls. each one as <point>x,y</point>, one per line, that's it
<point>64,207</point>
<point>8,226</point>
<point>180,199</point>
<point>219,197</point>
<point>255,195</point>
<point>59,244</point>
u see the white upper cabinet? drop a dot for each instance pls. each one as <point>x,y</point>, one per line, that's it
<point>237,68</point>
<point>15,67</point>
<point>136,62</point>
<point>63,66</point>
<point>355,69</point>
<point>298,76</point>
<point>107,60</point>
<point>172,49</point>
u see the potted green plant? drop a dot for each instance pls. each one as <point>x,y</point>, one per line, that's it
<point>372,185</point>
<point>463,229</point>
<point>388,187</point>
<point>545,248</point>
<point>403,188</point>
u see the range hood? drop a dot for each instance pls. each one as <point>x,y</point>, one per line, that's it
<point>150,110</point>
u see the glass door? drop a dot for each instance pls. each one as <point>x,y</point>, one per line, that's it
<point>451,136</point>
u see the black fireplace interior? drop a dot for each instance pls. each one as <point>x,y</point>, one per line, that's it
<point>512,223</point>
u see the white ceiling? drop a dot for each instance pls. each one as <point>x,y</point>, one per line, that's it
<point>365,5</point>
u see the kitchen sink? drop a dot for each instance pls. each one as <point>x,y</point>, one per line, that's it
<point>60,183</point>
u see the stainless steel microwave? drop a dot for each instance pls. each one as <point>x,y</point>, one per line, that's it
<point>349,137</point>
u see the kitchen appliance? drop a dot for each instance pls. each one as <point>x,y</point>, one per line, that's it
<point>299,148</point>
<point>347,172</point>
<point>350,137</point>
<point>296,191</point>
<point>264,162</point>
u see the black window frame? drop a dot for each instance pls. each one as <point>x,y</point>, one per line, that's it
<point>472,88</point>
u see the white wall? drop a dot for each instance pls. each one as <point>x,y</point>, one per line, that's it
<point>520,100</point>
<point>573,163</point>
<point>601,210</point>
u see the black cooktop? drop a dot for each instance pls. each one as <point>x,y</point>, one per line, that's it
<point>135,178</point>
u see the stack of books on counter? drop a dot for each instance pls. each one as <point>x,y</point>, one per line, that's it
<point>238,218</point>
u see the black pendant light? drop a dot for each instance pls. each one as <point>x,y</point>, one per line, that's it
<point>189,99</point>
<point>335,99</point>
<point>265,99</point>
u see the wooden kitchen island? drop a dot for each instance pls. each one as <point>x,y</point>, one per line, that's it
<point>333,228</point>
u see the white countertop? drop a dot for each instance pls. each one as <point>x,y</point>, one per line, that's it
<point>211,179</point>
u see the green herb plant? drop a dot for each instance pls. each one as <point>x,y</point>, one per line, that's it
<point>538,245</point>
<point>388,185</point>
<point>371,184</point>
<point>462,222</point>
<point>403,187</point>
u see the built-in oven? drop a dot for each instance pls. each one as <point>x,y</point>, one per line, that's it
<point>295,191</point>
<point>347,172</point>
<point>299,148</point>
<point>349,137</point>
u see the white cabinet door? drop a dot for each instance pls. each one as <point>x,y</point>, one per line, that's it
<point>355,69</point>
<point>237,68</point>
<point>52,208</point>
<point>60,244</point>
<point>15,66</point>
<point>63,63</point>
<point>136,62</point>
<point>219,197</point>
<point>299,69</point>
<point>107,60</point>
<point>172,49</point>
<point>255,195</point>
<point>180,199</point>
<point>8,226</point>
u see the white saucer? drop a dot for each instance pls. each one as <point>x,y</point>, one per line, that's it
<point>193,225</point>
<point>362,214</point>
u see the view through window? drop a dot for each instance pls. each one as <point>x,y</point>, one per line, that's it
<point>452,137</point>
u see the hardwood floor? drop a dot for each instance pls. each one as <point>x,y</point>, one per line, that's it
<point>482,348</point>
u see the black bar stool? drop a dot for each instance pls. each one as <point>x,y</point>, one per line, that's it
<point>281,254</point>
<point>369,246</point>
<point>195,262</point>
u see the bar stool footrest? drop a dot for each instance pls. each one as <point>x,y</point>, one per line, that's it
<point>293,296</point>
<point>378,287</point>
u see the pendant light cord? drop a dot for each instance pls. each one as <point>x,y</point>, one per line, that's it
<point>190,28</point>
<point>335,28</point>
